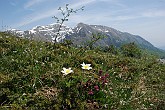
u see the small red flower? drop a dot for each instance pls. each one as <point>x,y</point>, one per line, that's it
<point>103,77</point>
<point>106,75</point>
<point>90,92</point>
<point>100,72</point>
<point>105,81</point>
<point>96,88</point>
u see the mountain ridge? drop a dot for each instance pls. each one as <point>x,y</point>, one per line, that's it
<point>114,37</point>
<point>82,33</point>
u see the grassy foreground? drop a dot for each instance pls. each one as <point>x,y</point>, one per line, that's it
<point>31,78</point>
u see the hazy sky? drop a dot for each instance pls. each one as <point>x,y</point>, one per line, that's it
<point>140,17</point>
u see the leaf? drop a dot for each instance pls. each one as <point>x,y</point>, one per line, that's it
<point>68,102</point>
<point>68,84</point>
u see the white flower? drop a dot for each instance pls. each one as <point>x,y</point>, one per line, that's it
<point>67,71</point>
<point>86,66</point>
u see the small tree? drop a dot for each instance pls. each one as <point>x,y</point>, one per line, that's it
<point>131,50</point>
<point>65,15</point>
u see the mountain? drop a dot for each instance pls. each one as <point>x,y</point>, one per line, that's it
<point>82,33</point>
<point>43,33</point>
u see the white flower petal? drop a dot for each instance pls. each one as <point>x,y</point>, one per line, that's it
<point>63,71</point>
<point>86,66</point>
<point>67,71</point>
<point>83,64</point>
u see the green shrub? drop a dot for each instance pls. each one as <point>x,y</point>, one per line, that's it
<point>131,50</point>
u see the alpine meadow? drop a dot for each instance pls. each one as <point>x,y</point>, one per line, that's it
<point>90,67</point>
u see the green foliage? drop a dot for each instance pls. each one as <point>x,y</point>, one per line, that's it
<point>131,50</point>
<point>111,49</point>
<point>67,43</point>
<point>31,78</point>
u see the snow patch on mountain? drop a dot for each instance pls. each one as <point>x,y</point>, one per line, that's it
<point>45,32</point>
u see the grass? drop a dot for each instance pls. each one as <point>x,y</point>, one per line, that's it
<point>31,78</point>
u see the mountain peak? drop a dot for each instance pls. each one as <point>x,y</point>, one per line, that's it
<point>82,33</point>
<point>81,25</point>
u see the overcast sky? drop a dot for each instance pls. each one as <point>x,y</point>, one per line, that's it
<point>140,17</point>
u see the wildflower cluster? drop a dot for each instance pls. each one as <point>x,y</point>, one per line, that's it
<point>84,66</point>
<point>103,78</point>
<point>93,86</point>
<point>90,87</point>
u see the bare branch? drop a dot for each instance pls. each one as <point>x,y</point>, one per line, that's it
<point>65,15</point>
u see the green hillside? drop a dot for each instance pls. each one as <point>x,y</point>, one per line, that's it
<point>31,77</point>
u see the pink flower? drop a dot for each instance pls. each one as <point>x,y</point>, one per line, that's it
<point>103,77</point>
<point>106,75</point>
<point>105,81</point>
<point>96,88</point>
<point>90,92</point>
